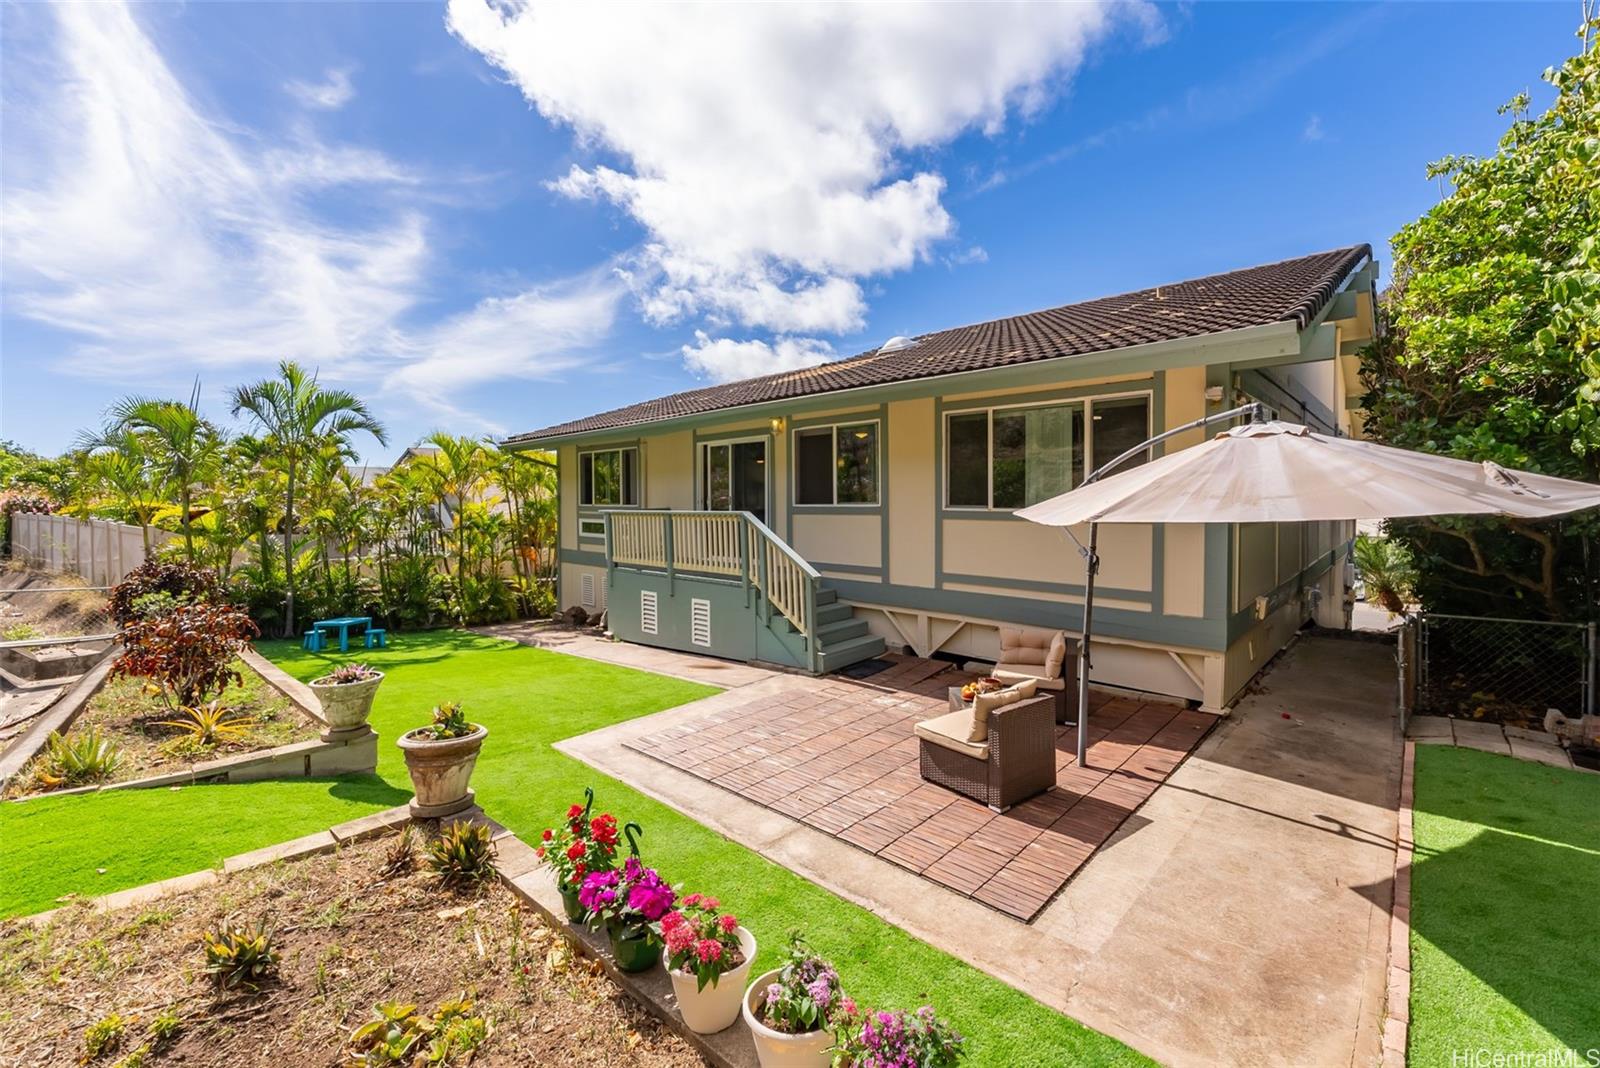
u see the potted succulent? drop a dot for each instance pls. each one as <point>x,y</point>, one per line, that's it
<point>708,957</point>
<point>628,903</point>
<point>439,758</point>
<point>346,697</point>
<point>891,1039</point>
<point>579,846</point>
<point>790,1010</point>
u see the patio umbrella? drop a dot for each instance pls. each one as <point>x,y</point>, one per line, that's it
<point>1282,473</point>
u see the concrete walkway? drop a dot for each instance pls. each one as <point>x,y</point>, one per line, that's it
<point>1240,916</point>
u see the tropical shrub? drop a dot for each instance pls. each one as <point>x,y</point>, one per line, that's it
<point>239,956</point>
<point>80,757</point>
<point>159,586</point>
<point>702,940</point>
<point>1386,571</point>
<point>209,723</point>
<point>579,846</point>
<point>894,1039</point>
<point>189,651</point>
<point>401,855</point>
<point>806,996</point>
<point>463,854</point>
<point>449,721</point>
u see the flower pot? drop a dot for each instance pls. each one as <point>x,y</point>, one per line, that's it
<point>774,1049</point>
<point>440,771</point>
<point>345,706</point>
<point>635,949</point>
<point>717,1006</point>
<point>571,905</point>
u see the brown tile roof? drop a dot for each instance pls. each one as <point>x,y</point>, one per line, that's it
<point>1289,291</point>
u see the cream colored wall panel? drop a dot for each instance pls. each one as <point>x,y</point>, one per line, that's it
<point>913,493</point>
<point>1185,402</point>
<point>856,540</point>
<point>1016,549</point>
<point>567,489</point>
<point>1183,570</point>
<point>669,470</point>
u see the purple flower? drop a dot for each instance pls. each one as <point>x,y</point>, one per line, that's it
<point>650,897</point>
<point>821,991</point>
<point>774,991</point>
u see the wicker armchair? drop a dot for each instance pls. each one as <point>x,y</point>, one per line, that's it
<point>1047,656</point>
<point>1016,760</point>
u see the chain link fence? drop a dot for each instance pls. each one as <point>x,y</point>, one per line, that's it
<point>1507,671</point>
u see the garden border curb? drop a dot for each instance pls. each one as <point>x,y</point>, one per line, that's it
<point>60,716</point>
<point>520,869</point>
<point>292,688</point>
<point>1397,1022</point>
<point>308,845</point>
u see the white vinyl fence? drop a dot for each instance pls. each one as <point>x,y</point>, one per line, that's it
<point>99,550</point>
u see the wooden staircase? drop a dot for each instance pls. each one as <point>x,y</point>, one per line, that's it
<point>842,637</point>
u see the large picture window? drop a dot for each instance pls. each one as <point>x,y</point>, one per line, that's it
<point>1009,458</point>
<point>609,478</point>
<point>836,464</point>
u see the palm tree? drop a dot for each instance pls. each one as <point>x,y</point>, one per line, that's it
<point>125,480</point>
<point>300,417</point>
<point>184,444</point>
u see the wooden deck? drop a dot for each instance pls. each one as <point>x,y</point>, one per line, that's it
<point>841,757</point>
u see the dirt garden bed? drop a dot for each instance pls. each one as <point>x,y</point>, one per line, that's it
<point>131,718</point>
<point>350,938</point>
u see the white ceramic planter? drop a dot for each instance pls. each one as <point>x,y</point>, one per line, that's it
<point>774,1049</point>
<point>441,771</point>
<point>345,706</point>
<point>717,1006</point>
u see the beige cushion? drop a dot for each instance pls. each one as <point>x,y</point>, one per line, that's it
<point>1020,672</point>
<point>985,703</point>
<point>950,731</point>
<point>1039,653</point>
<point>1058,656</point>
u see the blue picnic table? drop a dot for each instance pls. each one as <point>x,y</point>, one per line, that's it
<point>343,625</point>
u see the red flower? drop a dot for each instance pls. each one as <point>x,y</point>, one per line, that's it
<point>711,903</point>
<point>539,852</point>
<point>574,812</point>
<point>671,921</point>
<point>575,851</point>
<point>708,950</point>
<point>604,829</point>
<point>728,923</point>
<point>692,900</point>
<point>578,869</point>
<point>548,834</point>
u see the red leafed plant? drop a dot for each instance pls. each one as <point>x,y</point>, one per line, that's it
<point>188,651</point>
<point>157,585</point>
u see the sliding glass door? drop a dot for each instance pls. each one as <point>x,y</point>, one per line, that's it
<point>733,477</point>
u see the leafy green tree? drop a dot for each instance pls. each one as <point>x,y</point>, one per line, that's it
<point>184,445</point>
<point>1491,349</point>
<point>300,417</point>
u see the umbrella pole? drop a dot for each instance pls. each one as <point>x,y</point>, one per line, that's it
<point>1091,565</point>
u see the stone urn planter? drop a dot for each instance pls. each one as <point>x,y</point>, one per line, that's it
<point>346,705</point>
<point>715,1007</point>
<point>440,759</point>
<point>774,1049</point>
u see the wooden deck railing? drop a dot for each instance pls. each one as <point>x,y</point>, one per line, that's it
<point>723,544</point>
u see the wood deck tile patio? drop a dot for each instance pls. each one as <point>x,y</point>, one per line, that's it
<point>841,756</point>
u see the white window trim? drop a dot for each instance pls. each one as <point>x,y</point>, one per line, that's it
<point>638,473</point>
<point>596,535</point>
<point>700,501</point>
<point>1086,403</point>
<point>877,464</point>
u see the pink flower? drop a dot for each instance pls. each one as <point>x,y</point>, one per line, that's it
<point>671,921</point>
<point>711,903</point>
<point>678,939</point>
<point>728,923</point>
<point>692,900</point>
<point>708,950</point>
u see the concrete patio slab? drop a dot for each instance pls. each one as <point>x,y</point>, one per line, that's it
<point>591,645</point>
<point>1485,736</point>
<point>1240,916</point>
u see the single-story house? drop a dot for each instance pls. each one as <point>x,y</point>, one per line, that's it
<point>812,517</point>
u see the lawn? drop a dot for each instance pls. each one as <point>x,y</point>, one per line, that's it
<point>1504,943</point>
<point>529,698</point>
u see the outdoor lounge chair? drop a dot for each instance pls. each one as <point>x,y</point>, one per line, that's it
<point>1001,751</point>
<point>1044,655</point>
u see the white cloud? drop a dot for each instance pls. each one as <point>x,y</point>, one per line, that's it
<point>169,240</point>
<point>764,149</point>
<point>1313,130</point>
<point>330,94</point>
<point>725,360</point>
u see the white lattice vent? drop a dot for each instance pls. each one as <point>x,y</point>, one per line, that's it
<point>647,611</point>
<point>700,622</point>
<point>587,585</point>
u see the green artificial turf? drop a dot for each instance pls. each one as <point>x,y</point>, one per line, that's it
<point>1505,943</point>
<point>529,698</point>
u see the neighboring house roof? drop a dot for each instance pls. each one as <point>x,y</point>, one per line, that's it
<point>1288,291</point>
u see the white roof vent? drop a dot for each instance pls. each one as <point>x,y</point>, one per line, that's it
<point>895,344</point>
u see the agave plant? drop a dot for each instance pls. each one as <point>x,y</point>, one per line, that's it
<point>1386,570</point>
<point>239,956</point>
<point>463,853</point>
<point>209,723</point>
<point>81,757</point>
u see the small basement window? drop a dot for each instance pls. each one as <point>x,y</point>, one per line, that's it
<point>591,528</point>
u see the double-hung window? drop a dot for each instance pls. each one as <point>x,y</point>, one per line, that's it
<point>836,464</point>
<point>608,478</point>
<point>1009,458</point>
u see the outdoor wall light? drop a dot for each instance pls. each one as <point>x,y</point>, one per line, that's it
<point>777,425</point>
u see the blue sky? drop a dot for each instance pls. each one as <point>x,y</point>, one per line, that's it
<point>488,222</point>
